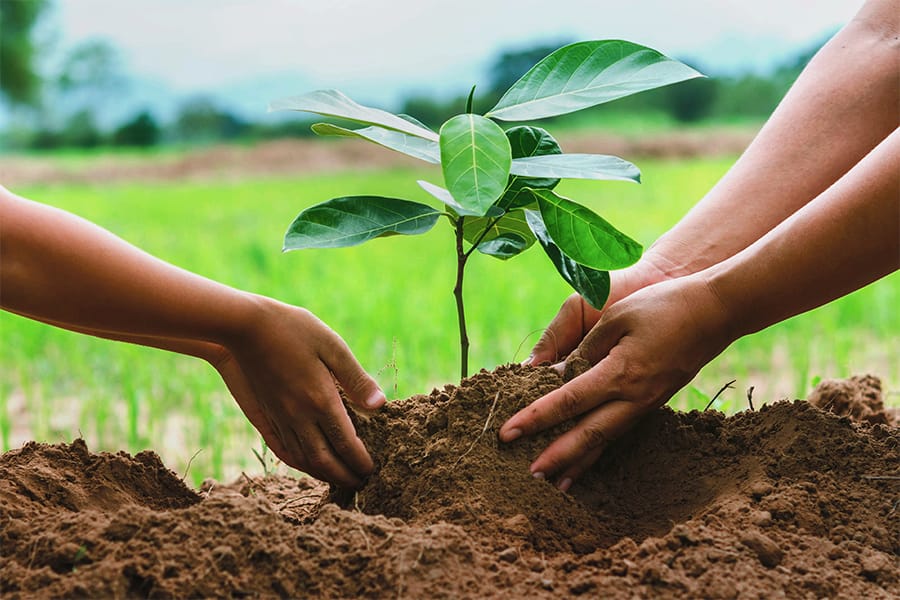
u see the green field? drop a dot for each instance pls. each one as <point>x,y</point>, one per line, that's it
<point>390,299</point>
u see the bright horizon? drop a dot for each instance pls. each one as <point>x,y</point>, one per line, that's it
<point>205,44</point>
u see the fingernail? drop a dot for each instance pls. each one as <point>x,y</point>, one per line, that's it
<point>510,435</point>
<point>376,399</point>
<point>537,475</point>
<point>565,484</point>
<point>528,360</point>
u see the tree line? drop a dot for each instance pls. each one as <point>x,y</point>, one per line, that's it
<point>91,74</point>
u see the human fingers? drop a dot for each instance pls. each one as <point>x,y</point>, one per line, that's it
<point>329,441</point>
<point>242,392</point>
<point>573,453</point>
<point>563,333</point>
<point>575,397</point>
<point>320,460</point>
<point>338,430</point>
<point>361,389</point>
<point>572,399</point>
<point>285,446</point>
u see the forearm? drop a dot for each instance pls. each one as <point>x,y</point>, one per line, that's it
<point>846,238</point>
<point>842,105</point>
<point>57,267</point>
<point>209,351</point>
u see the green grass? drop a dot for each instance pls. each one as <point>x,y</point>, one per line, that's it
<point>390,299</point>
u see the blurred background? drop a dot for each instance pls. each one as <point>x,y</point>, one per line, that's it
<point>92,73</point>
<point>150,118</point>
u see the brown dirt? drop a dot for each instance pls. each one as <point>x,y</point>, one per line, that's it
<point>300,156</point>
<point>787,501</point>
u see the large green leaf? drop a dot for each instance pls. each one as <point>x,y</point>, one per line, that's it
<point>592,284</point>
<point>332,103</point>
<point>444,196</point>
<point>505,238</point>
<point>526,142</point>
<point>576,166</point>
<point>352,220</point>
<point>475,158</point>
<point>584,236</point>
<point>585,74</point>
<point>427,150</point>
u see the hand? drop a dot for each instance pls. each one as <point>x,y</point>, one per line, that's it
<point>645,348</point>
<point>576,317</point>
<point>282,372</point>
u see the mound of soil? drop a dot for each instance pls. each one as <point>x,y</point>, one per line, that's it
<point>787,501</point>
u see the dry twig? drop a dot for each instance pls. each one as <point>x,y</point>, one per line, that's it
<point>727,386</point>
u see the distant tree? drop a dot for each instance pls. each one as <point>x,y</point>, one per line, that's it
<point>81,131</point>
<point>429,110</point>
<point>44,138</point>
<point>89,81</point>
<point>95,65</point>
<point>511,64</point>
<point>748,96</point>
<point>142,130</point>
<point>692,100</point>
<point>19,81</point>
<point>201,120</point>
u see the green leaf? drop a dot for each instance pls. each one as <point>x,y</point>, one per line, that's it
<point>507,237</point>
<point>332,103</point>
<point>475,158</point>
<point>527,142</point>
<point>427,150</point>
<point>352,220</point>
<point>585,74</point>
<point>505,246</point>
<point>413,120</point>
<point>592,284</point>
<point>445,197</point>
<point>584,236</point>
<point>577,166</point>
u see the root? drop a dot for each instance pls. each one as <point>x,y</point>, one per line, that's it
<point>188,467</point>
<point>487,424</point>
<point>528,335</point>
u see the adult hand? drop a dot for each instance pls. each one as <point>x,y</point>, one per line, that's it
<point>645,348</point>
<point>576,317</point>
<point>282,371</point>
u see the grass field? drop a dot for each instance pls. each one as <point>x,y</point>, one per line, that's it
<point>390,299</point>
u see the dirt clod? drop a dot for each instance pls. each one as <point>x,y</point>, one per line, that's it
<point>787,501</point>
<point>858,397</point>
<point>767,551</point>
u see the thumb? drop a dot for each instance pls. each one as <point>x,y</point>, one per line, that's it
<point>597,344</point>
<point>361,389</point>
<point>564,332</point>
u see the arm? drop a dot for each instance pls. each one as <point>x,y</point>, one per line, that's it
<point>651,344</point>
<point>841,106</point>
<point>277,359</point>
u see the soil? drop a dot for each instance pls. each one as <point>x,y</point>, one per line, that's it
<point>787,501</point>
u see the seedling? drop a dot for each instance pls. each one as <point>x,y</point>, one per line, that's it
<point>498,184</point>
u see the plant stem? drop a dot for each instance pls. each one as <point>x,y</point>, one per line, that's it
<point>461,258</point>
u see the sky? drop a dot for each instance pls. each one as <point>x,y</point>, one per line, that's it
<point>380,50</point>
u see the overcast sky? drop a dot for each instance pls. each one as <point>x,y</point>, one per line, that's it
<point>194,44</point>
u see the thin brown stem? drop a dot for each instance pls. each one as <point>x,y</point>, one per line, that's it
<point>461,258</point>
<point>482,235</point>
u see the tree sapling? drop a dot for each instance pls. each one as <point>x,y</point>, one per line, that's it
<point>498,192</point>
